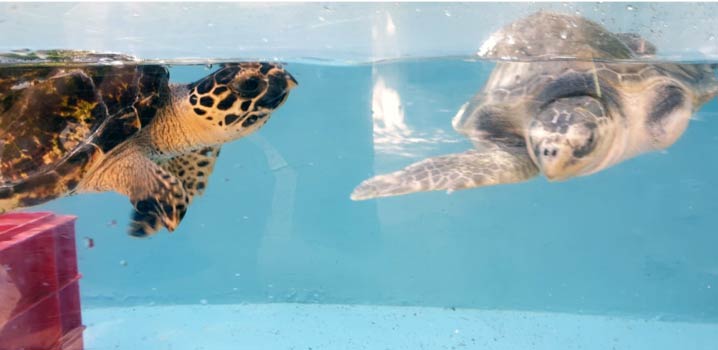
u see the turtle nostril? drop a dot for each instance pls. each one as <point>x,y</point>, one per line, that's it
<point>550,152</point>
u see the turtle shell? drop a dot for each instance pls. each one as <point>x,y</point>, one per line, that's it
<point>55,119</point>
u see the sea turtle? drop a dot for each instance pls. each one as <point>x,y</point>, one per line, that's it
<point>559,103</point>
<point>75,122</point>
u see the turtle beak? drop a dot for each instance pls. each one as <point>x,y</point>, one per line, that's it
<point>553,160</point>
<point>291,82</point>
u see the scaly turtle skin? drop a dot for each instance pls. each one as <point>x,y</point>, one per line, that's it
<point>540,112</point>
<point>73,128</point>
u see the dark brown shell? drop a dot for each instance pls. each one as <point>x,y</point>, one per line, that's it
<point>53,119</point>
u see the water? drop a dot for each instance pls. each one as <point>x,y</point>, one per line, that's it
<point>276,254</point>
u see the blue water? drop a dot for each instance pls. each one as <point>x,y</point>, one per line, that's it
<point>633,246</point>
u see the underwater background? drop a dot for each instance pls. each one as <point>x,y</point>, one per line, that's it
<point>276,249</point>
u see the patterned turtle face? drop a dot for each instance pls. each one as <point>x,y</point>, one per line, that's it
<point>570,137</point>
<point>239,98</point>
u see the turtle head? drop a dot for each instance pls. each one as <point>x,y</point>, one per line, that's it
<point>570,137</point>
<point>239,98</point>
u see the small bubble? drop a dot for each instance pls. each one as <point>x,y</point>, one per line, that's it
<point>245,217</point>
<point>235,289</point>
<point>630,8</point>
<point>123,262</point>
<point>711,37</point>
<point>210,24</point>
<point>237,274</point>
<point>135,14</point>
<point>563,35</point>
<point>321,19</point>
<point>447,13</point>
<point>203,301</point>
<point>265,40</point>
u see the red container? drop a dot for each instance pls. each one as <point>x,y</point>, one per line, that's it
<point>39,291</point>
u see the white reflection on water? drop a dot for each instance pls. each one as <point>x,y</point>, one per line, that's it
<point>391,132</point>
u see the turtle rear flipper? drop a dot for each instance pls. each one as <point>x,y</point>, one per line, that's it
<point>451,172</point>
<point>158,196</point>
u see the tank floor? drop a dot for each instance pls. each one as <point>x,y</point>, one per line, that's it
<point>319,327</point>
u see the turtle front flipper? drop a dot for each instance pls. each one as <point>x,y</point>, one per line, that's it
<point>193,169</point>
<point>451,172</point>
<point>158,196</point>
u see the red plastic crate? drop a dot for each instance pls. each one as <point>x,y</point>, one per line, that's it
<point>39,291</point>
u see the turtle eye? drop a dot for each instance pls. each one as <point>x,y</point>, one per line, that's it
<point>249,86</point>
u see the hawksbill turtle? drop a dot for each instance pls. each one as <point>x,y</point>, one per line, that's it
<point>567,98</point>
<point>76,122</point>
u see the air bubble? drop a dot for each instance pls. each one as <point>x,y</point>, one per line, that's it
<point>447,13</point>
<point>321,19</point>
<point>203,301</point>
<point>123,262</point>
<point>563,35</point>
<point>630,8</point>
<point>711,37</point>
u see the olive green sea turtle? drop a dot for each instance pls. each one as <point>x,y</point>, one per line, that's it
<point>74,122</point>
<point>559,104</point>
